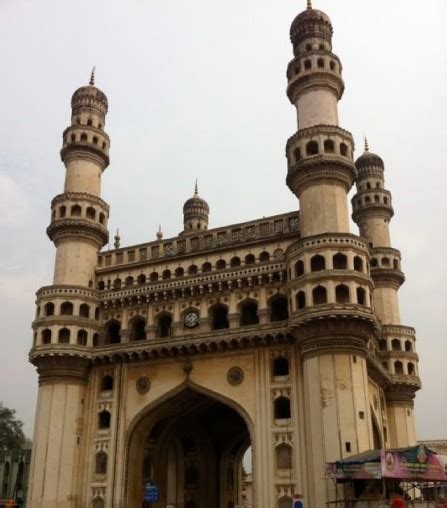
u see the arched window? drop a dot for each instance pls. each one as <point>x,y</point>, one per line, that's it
<point>73,137</point>
<point>166,274</point>
<point>284,457</point>
<point>164,326</point>
<point>219,317</point>
<point>301,300</point>
<point>340,262</point>
<point>192,270</point>
<point>221,264</point>
<point>76,211</point>
<point>408,346</point>
<point>358,264</point>
<point>141,279</point>
<point>343,149</point>
<point>398,368</point>
<point>95,140</point>
<point>84,310</point>
<point>107,384</point>
<point>395,264</point>
<point>278,309</point>
<point>319,295</point>
<point>101,463</point>
<point>179,272</point>
<point>342,294</point>
<point>89,121</point>
<point>395,345</point>
<point>104,419</point>
<point>264,257</point>
<point>312,148</point>
<point>282,408</point>
<point>367,199</point>
<point>67,309</point>
<point>280,366</point>
<point>249,313</point>
<point>361,296</point>
<point>206,267</point>
<point>90,213</point>
<point>129,281</point>
<point>317,263</point>
<point>64,336</point>
<point>320,63</point>
<point>385,200</point>
<point>49,309</point>
<point>374,262</point>
<point>84,136</point>
<point>411,369</point>
<point>112,332</point>
<point>117,283</point>
<point>235,261</point>
<point>368,186</point>
<point>307,65</point>
<point>376,199</point>
<point>101,218</point>
<point>46,336</point>
<point>299,268</point>
<point>383,345</point>
<point>329,146</point>
<point>297,154</point>
<point>153,277</point>
<point>82,337</point>
<point>62,212</point>
<point>138,329</point>
<point>385,365</point>
<point>250,259</point>
<point>97,313</point>
<point>385,262</point>
<point>95,340</point>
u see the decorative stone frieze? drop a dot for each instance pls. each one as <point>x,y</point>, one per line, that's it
<point>61,367</point>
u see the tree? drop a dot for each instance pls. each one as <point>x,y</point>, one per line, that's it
<point>11,433</point>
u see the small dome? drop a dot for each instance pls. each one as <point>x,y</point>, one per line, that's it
<point>90,95</point>
<point>195,202</point>
<point>195,213</point>
<point>310,23</point>
<point>369,159</point>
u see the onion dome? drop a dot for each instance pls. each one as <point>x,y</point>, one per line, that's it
<point>90,97</point>
<point>309,24</point>
<point>369,160</point>
<point>195,212</point>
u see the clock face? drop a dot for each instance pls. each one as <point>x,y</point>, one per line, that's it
<point>191,319</point>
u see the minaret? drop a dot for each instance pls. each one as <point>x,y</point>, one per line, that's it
<point>329,284</point>
<point>67,320</point>
<point>195,213</point>
<point>372,211</point>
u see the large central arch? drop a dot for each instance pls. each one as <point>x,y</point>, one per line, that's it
<point>191,443</point>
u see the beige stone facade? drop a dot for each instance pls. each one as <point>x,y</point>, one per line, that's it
<point>166,361</point>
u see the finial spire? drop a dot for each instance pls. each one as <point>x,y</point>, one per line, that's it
<point>159,233</point>
<point>366,145</point>
<point>92,77</point>
<point>309,4</point>
<point>117,239</point>
<point>196,188</point>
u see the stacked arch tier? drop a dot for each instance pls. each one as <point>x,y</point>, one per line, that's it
<point>386,267</point>
<point>79,214</point>
<point>86,142</point>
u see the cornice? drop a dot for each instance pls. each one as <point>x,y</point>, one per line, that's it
<point>78,228</point>
<point>77,196</point>
<point>387,278</point>
<point>339,241</point>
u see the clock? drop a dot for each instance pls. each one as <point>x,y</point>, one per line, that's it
<point>191,319</point>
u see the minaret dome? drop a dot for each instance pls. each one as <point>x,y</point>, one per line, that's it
<point>195,213</point>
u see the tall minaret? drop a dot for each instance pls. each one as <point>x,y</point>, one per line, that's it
<point>372,211</point>
<point>329,285</point>
<point>67,317</point>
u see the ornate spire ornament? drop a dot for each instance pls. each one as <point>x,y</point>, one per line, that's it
<point>159,233</point>
<point>117,239</point>
<point>366,145</point>
<point>196,188</point>
<point>309,4</point>
<point>92,77</point>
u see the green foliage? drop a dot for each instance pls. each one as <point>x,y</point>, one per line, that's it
<point>11,433</point>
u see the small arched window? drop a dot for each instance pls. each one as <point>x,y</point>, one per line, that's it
<point>107,384</point>
<point>280,366</point>
<point>299,268</point>
<point>138,329</point>
<point>235,262</point>
<point>368,186</point>
<point>317,263</point>
<point>64,336</point>
<point>164,326</point>
<point>129,281</point>
<point>374,263</point>
<point>398,368</point>
<point>90,122</point>
<point>329,146</point>
<point>101,218</point>
<point>301,300</point>
<point>113,332</point>
<point>219,317</point>
<point>179,272</point>
<point>49,309</point>
<point>117,283</point>
<point>101,285</point>
<point>84,310</point>
<point>332,66</point>
<point>73,138</point>
<point>221,264</point>
<point>46,336</point>
<point>297,154</point>
<point>307,65</point>
<point>376,199</point>
<point>319,295</point>
<point>358,264</point>
<point>166,274</point>
<point>62,211</point>
<point>340,262</point>
<point>278,309</point>
<point>264,257</point>
<point>282,408</point>
<point>104,419</point>
<point>249,314</point>
<point>312,148</point>
<point>284,457</point>
<point>206,267</point>
<point>361,296</point>
<point>395,264</point>
<point>95,140</point>
<point>84,136</point>
<point>408,346</point>
<point>395,345</point>
<point>192,270</point>
<point>411,369</point>
<point>67,309</point>
<point>141,279</point>
<point>153,277</point>
<point>385,262</point>
<point>342,294</point>
<point>343,149</point>
<point>101,463</point>
<point>95,340</point>
<point>250,259</point>
<point>320,63</point>
<point>82,338</point>
<point>90,213</point>
<point>76,211</point>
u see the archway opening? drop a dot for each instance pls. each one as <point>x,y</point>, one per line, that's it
<point>192,447</point>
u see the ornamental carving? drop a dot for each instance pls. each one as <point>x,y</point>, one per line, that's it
<point>143,384</point>
<point>235,376</point>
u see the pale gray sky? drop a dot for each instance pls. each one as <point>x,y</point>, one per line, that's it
<point>197,89</point>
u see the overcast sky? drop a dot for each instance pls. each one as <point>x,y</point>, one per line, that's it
<point>197,89</point>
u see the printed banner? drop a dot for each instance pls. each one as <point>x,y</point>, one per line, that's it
<point>354,470</point>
